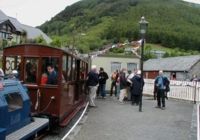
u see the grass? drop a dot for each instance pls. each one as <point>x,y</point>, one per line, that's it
<point>148,47</point>
<point>176,51</point>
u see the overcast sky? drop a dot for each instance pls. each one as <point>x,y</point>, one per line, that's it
<point>33,12</point>
<point>194,1</point>
<point>36,12</point>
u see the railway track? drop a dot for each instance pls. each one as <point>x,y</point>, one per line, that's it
<point>67,133</point>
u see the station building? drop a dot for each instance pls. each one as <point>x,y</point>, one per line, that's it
<point>176,68</point>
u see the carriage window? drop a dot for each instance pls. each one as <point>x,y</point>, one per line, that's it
<point>64,63</point>
<point>74,69</point>
<point>69,70</point>
<point>31,70</point>
<point>64,69</point>
<point>85,69</point>
<point>13,63</point>
<point>49,71</point>
<point>81,70</point>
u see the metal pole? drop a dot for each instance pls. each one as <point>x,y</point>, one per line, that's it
<point>141,67</point>
<point>195,91</point>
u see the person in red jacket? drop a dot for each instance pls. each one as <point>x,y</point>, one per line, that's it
<point>44,79</point>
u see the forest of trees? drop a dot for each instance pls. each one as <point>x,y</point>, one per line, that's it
<point>91,24</point>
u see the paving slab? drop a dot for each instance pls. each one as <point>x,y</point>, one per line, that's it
<point>114,121</point>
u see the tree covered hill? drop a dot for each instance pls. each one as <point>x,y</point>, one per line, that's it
<point>90,24</point>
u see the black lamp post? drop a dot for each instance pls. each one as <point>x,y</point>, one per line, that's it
<point>143,28</point>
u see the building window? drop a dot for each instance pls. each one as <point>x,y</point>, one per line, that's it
<point>9,29</point>
<point>115,66</point>
<point>4,27</point>
<point>131,66</point>
<point>4,35</point>
<point>1,35</point>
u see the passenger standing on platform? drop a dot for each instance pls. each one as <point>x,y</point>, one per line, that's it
<point>136,88</point>
<point>103,76</point>
<point>92,83</point>
<point>114,78</point>
<point>129,83</point>
<point>118,87</point>
<point>161,82</point>
<point>123,85</point>
<point>194,78</point>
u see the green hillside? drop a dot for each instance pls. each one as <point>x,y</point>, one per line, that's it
<point>90,24</point>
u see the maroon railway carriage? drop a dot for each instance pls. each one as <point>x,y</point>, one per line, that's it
<point>61,101</point>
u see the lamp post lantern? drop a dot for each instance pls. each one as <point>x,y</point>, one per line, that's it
<point>143,28</point>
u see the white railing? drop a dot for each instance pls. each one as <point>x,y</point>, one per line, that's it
<point>198,121</point>
<point>178,89</point>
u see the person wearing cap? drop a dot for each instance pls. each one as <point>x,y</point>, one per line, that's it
<point>161,82</point>
<point>103,76</point>
<point>136,88</point>
<point>92,83</point>
<point>15,75</point>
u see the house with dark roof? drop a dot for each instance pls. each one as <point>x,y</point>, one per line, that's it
<point>6,29</point>
<point>11,30</point>
<point>179,68</point>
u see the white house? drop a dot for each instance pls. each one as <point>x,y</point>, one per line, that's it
<point>111,64</point>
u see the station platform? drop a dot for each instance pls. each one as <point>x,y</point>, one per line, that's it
<point>112,120</point>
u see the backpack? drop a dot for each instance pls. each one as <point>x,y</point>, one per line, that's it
<point>114,76</point>
<point>167,88</point>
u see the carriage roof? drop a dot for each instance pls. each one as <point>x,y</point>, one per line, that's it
<point>35,50</point>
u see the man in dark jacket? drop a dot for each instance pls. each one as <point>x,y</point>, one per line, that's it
<point>92,83</point>
<point>161,82</point>
<point>52,75</point>
<point>136,88</point>
<point>123,85</point>
<point>103,76</point>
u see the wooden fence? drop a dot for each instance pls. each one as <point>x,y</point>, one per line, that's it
<point>178,90</point>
